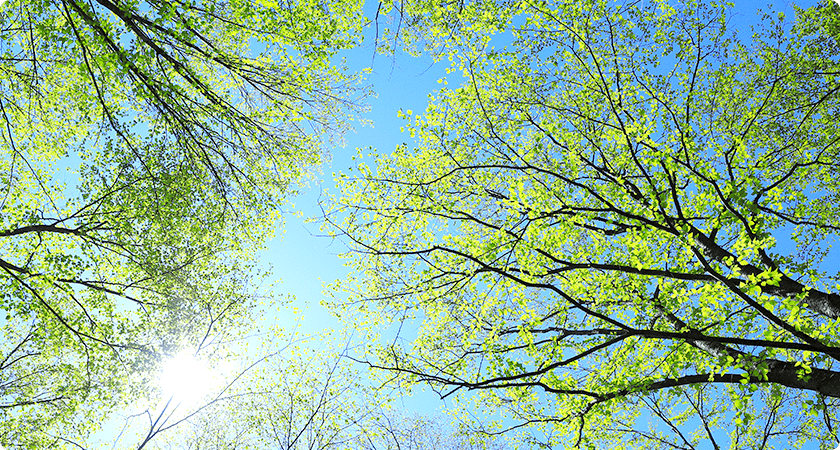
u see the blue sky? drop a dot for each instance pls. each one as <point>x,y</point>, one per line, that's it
<point>301,257</point>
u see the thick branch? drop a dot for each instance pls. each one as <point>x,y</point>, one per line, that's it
<point>824,303</point>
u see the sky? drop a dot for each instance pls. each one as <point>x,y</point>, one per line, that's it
<point>301,258</point>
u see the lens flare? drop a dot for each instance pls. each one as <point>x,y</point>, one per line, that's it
<point>186,379</point>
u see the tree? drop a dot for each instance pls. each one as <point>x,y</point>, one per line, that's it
<point>190,122</point>
<point>285,394</point>
<point>395,430</point>
<point>618,229</point>
<point>303,394</point>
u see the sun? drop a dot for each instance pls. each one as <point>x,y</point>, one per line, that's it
<point>187,379</point>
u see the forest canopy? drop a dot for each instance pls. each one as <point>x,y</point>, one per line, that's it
<point>147,148</point>
<point>618,229</point>
<point>611,227</point>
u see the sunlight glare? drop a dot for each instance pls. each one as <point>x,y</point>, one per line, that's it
<point>186,379</point>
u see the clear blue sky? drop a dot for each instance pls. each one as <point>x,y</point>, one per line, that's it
<point>301,258</point>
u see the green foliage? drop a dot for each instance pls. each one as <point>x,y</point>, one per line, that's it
<point>302,394</point>
<point>618,229</point>
<point>187,124</point>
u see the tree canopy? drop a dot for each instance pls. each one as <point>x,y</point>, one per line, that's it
<point>614,230</point>
<point>299,398</point>
<point>146,150</point>
<point>618,229</point>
